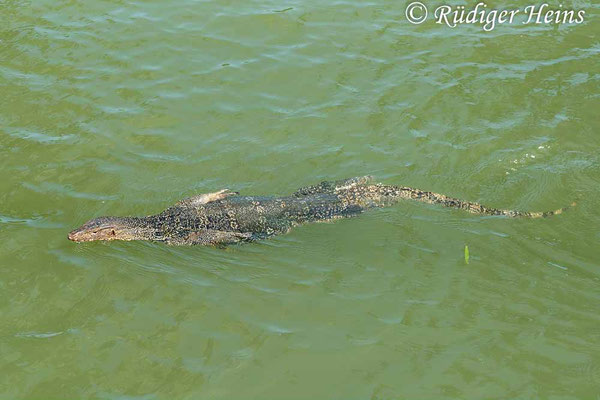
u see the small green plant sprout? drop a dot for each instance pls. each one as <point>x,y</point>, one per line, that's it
<point>466,254</point>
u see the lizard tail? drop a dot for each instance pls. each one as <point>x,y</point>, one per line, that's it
<point>388,192</point>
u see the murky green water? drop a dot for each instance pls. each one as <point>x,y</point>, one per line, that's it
<point>123,108</point>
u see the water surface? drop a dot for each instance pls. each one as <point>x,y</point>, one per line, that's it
<point>123,108</point>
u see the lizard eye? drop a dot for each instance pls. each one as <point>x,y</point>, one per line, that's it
<point>112,232</point>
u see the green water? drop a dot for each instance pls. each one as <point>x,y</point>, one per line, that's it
<point>123,108</point>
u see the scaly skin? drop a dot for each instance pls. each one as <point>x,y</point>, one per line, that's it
<point>224,217</point>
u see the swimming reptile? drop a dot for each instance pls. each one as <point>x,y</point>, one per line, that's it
<point>225,217</point>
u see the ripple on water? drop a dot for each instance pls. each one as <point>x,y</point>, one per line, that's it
<point>34,222</point>
<point>26,134</point>
<point>38,335</point>
<point>49,187</point>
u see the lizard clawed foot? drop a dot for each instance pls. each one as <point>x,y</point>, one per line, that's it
<point>221,194</point>
<point>207,197</point>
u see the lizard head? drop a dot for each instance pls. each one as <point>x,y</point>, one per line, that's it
<point>106,228</point>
